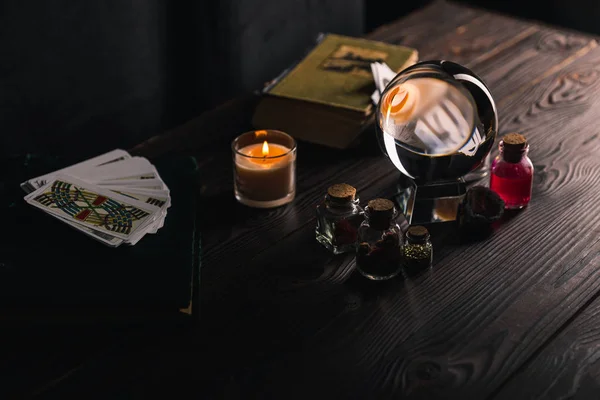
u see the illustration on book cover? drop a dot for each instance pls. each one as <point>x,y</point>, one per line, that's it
<point>353,60</point>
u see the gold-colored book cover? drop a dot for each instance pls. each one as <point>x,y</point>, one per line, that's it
<point>337,72</point>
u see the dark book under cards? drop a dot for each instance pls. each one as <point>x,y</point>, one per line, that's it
<point>50,270</point>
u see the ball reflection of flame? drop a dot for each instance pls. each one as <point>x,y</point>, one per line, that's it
<point>439,116</point>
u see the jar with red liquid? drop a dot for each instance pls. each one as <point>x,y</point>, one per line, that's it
<point>512,172</point>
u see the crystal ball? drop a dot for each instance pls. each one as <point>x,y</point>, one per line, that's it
<point>436,121</point>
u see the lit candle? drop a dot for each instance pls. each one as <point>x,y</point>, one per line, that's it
<point>264,168</point>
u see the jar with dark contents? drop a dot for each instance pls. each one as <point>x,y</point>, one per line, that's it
<point>379,239</point>
<point>338,217</point>
<point>417,250</point>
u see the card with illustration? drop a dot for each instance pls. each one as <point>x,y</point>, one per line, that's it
<point>88,205</point>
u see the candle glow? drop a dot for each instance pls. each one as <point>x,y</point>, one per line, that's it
<point>265,170</point>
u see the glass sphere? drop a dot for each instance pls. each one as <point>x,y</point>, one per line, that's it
<point>436,121</point>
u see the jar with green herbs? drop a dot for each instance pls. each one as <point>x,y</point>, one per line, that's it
<point>379,239</point>
<point>417,250</point>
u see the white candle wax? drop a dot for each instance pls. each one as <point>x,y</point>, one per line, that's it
<point>263,177</point>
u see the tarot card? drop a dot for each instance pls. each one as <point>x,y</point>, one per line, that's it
<point>141,190</point>
<point>131,168</point>
<point>103,159</point>
<point>157,201</point>
<point>131,176</point>
<point>135,192</point>
<point>160,198</point>
<point>105,238</point>
<point>89,205</point>
<point>156,184</point>
<point>157,225</point>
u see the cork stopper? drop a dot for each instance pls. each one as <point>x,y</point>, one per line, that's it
<point>341,193</point>
<point>514,141</point>
<point>380,213</point>
<point>381,206</point>
<point>418,233</point>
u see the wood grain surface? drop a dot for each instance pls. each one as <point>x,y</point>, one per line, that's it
<point>568,368</point>
<point>462,330</point>
<point>283,318</point>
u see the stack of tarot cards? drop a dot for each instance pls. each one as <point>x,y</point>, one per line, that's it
<point>114,198</point>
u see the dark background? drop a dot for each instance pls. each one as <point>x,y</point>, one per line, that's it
<point>89,76</point>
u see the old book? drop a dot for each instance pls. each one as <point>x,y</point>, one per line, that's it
<point>51,272</point>
<point>326,97</point>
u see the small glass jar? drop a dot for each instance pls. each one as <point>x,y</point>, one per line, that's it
<point>512,172</point>
<point>379,239</point>
<point>417,251</point>
<point>338,217</point>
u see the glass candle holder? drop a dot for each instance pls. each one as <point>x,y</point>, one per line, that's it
<point>264,168</point>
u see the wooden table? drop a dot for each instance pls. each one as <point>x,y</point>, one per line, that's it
<point>513,316</point>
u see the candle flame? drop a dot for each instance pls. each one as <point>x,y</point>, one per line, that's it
<point>265,149</point>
